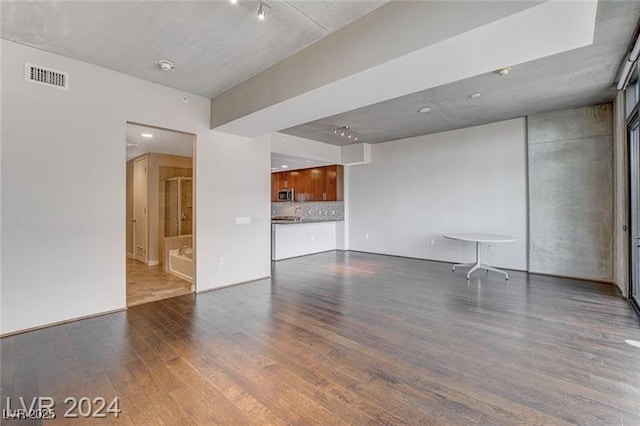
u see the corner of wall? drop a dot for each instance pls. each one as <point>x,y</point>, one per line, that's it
<point>356,154</point>
<point>621,237</point>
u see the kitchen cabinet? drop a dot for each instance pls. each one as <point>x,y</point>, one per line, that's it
<point>333,183</point>
<point>299,239</point>
<point>284,180</point>
<point>314,184</point>
<point>275,186</point>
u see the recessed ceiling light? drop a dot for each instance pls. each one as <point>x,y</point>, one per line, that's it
<point>307,161</point>
<point>147,135</point>
<point>632,343</point>
<point>475,95</point>
<point>503,71</point>
<point>274,168</point>
<point>424,110</point>
<point>131,144</point>
<point>284,166</point>
<point>233,1</point>
<point>166,65</point>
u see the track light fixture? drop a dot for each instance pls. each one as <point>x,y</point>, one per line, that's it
<point>345,132</point>
<point>262,13</point>
<point>262,8</point>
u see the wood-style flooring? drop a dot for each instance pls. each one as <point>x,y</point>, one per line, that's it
<point>150,283</point>
<point>350,338</point>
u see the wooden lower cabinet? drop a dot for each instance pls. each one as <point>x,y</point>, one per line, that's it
<point>314,184</point>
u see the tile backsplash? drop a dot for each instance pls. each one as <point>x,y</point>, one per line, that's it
<point>331,210</point>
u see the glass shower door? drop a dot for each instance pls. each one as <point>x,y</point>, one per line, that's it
<point>172,209</point>
<point>186,206</point>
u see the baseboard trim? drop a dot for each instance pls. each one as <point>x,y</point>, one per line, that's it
<point>593,280</point>
<point>53,324</point>
<point>308,254</point>
<point>153,263</point>
<point>233,285</point>
<point>569,277</point>
<point>428,260</point>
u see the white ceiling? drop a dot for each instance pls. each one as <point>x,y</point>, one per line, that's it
<point>162,142</point>
<point>576,78</point>
<point>292,162</point>
<point>213,44</point>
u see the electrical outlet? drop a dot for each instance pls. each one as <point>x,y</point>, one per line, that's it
<point>489,246</point>
<point>366,236</point>
<point>313,237</point>
<point>433,242</point>
<point>221,261</point>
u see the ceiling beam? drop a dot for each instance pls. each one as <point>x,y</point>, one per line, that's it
<point>401,48</point>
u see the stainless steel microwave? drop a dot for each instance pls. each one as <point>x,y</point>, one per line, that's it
<point>286,194</point>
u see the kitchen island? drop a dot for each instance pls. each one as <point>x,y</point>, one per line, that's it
<point>292,238</point>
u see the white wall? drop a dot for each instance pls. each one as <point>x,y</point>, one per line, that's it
<point>356,154</point>
<point>417,189</point>
<point>233,180</point>
<point>307,148</point>
<point>63,189</point>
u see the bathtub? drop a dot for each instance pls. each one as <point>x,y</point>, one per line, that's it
<point>181,265</point>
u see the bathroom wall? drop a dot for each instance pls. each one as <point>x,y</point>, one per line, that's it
<point>168,172</point>
<point>161,167</point>
<point>156,201</point>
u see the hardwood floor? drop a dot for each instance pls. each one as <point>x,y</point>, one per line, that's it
<point>350,338</point>
<point>150,283</point>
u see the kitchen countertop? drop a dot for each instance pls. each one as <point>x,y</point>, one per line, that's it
<point>297,222</point>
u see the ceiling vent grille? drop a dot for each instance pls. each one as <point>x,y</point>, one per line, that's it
<point>42,75</point>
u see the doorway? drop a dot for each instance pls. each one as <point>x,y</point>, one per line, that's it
<point>140,200</point>
<point>634,187</point>
<point>160,216</point>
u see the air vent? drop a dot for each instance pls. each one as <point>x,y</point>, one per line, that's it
<point>42,75</point>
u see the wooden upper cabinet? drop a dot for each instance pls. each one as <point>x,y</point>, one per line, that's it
<point>315,184</point>
<point>294,178</point>
<point>275,186</point>
<point>334,185</point>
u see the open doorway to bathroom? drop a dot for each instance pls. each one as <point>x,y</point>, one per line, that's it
<point>160,213</point>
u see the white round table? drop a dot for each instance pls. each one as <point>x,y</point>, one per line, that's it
<point>480,238</point>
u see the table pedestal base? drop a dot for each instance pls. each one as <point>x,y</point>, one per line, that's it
<point>478,265</point>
